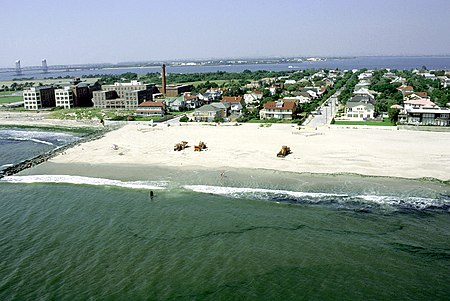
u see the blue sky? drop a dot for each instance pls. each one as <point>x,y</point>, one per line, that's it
<point>90,31</point>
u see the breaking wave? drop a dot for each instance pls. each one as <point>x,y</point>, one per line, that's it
<point>78,180</point>
<point>345,201</point>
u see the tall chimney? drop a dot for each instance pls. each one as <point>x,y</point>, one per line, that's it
<point>163,77</point>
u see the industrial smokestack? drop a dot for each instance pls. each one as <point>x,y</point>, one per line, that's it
<point>163,77</point>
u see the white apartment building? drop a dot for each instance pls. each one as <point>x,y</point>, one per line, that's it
<point>32,99</point>
<point>64,97</point>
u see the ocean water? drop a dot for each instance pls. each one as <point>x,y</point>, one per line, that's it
<point>220,235</point>
<point>17,144</point>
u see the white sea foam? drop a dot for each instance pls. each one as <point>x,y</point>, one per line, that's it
<point>85,180</point>
<point>238,190</point>
<point>318,197</point>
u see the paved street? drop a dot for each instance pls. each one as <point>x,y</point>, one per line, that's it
<point>325,113</point>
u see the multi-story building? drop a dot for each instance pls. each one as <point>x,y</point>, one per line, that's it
<point>64,97</point>
<point>174,90</point>
<point>123,95</point>
<point>36,98</point>
<point>67,95</point>
<point>101,98</point>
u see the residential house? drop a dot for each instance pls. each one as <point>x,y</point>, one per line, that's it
<point>362,99</point>
<point>298,99</point>
<point>278,110</point>
<point>329,82</point>
<point>253,97</point>
<point>175,103</point>
<point>211,112</point>
<point>428,75</point>
<point>151,108</point>
<point>361,85</point>
<point>192,101</point>
<point>236,103</point>
<point>424,112</point>
<point>359,111</point>
<point>365,76</point>
<point>364,92</point>
<point>405,89</point>
<point>290,82</point>
<point>415,95</point>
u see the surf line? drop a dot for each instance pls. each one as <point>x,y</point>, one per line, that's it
<point>28,163</point>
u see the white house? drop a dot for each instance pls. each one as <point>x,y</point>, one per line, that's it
<point>253,97</point>
<point>357,111</point>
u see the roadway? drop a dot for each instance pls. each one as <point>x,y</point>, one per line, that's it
<point>328,111</point>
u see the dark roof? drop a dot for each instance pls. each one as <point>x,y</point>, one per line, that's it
<point>360,98</point>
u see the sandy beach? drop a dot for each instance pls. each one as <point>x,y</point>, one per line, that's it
<point>375,152</point>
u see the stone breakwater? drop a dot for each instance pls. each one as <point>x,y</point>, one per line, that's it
<point>18,167</point>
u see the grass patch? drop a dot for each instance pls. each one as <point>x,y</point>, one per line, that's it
<point>73,130</point>
<point>90,113</point>
<point>176,113</point>
<point>196,83</point>
<point>273,121</point>
<point>10,99</point>
<point>385,122</point>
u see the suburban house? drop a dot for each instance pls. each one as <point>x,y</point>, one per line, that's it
<point>365,76</point>
<point>236,103</point>
<point>175,103</point>
<point>192,101</point>
<point>415,95</point>
<point>405,89</point>
<point>424,112</point>
<point>211,112</point>
<point>359,111</point>
<point>362,85</point>
<point>364,92</point>
<point>297,99</point>
<point>361,98</point>
<point>278,110</point>
<point>151,108</point>
<point>253,97</point>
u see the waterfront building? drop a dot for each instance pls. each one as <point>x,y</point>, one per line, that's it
<point>151,108</point>
<point>64,97</point>
<point>211,112</point>
<point>123,95</point>
<point>36,98</point>
<point>278,110</point>
<point>358,111</point>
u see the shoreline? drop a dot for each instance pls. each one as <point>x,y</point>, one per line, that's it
<point>372,152</point>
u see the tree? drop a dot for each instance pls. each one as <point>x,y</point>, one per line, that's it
<point>393,114</point>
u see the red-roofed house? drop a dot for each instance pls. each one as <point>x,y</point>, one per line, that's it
<point>415,95</point>
<point>278,110</point>
<point>236,103</point>
<point>151,108</point>
<point>405,89</point>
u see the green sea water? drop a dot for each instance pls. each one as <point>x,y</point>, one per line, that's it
<point>204,237</point>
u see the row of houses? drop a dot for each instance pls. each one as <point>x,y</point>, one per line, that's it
<point>361,105</point>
